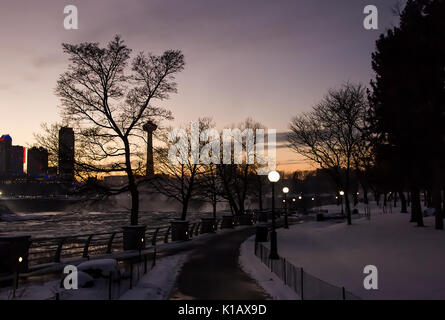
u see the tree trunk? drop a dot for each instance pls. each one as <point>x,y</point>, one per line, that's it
<point>134,219</point>
<point>377,198</point>
<point>409,199</point>
<point>260,193</point>
<point>347,204</point>
<point>134,201</point>
<point>430,198</point>
<point>214,207</point>
<point>355,198</point>
<point>185,205</point>
<point>365,196</point>
<point>437,197</point>
<point>416,209</point>
<point>348,207</point>
<point>403,201</point>
<point>395,199</point>
<point>443,201</point>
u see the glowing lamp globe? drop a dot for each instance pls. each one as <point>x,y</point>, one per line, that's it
<point>273,176</point>
<point>285,190</point>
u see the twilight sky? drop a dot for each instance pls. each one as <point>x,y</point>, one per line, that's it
<point>269,60</point>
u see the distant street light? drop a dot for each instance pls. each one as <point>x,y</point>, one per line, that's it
<point>342,193</point>
<point>286,223</point>
<point>273,177</point>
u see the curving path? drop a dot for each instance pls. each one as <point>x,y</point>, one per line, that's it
<point>213,273</point>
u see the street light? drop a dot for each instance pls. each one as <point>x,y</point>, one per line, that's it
<point>273,177</point>
<point>342,193</point>
<point>286,223</point>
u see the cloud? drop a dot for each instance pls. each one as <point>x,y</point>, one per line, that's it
<point>282,137</point>
<point>47,61</point>
<point>5,86</point>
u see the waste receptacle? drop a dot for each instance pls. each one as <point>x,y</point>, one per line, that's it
<point>262,232</point>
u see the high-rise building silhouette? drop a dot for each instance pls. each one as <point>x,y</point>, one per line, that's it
<point>11,158</point>
<point>37,164</point>
<point>16,161</point>
<point>66,153</point>
<point>5,155</point>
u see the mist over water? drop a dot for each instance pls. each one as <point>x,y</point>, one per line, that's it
<point>52,224</point>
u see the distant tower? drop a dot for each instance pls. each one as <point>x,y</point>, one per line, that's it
<point>5,154</point>
<point>150,127</point>
<point>66,153</point>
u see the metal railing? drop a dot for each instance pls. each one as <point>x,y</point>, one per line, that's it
<point>57,249</point>
<point>46,250</point>
<point>306,286</point>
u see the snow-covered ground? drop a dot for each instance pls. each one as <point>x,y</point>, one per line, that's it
<point>93,283</point>
<point>410,260</point>
<point>159,282</point>
<point>258,271</point>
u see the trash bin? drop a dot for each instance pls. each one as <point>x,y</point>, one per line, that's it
<point>262,232</point>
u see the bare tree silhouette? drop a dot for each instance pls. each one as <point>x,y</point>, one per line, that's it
<point>107,101</point>
<point>331,134</point>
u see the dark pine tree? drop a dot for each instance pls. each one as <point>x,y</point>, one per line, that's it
<point>408,99</point>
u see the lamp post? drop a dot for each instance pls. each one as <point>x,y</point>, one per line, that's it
<point>273,177</point>
<point>286,223</point>
<point>342,193</point>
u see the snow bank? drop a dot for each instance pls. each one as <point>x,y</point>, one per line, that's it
<point>159,281</point>
<point>410,260</point>
<point>94,284</point>
<point>99,268</point>
<point>262,275</point>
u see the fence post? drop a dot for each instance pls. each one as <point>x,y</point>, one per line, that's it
<point>59,250</point>
<point>155,236</point>
<point>284,271</point>
<point>87,245</point>
<point>343,293</point>
<point>166,235</point>
<point>192,230</point>
<point>110,243</point>
<point>109,285</point>
<point>302,285</point>
<point>131,275</point>
<point>15,283</point>
<point>154,259</point>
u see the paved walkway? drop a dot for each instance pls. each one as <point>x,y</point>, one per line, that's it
<point>212,272</point>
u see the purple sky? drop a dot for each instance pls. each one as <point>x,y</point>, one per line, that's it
<point>264,59</point>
